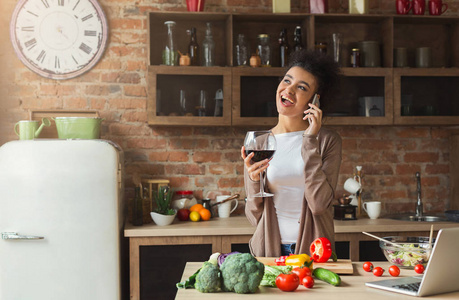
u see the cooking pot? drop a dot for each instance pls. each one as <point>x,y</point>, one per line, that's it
<point>78,127</point>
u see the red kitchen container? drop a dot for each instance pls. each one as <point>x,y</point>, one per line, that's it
<point>192,5</point>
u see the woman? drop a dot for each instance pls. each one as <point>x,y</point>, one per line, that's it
<point>304,169</point>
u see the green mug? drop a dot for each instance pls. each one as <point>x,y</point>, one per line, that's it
<point>28,130</point>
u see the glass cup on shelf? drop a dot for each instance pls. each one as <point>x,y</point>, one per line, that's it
<point>201,109</point>
<point>263,144</point>
<point>183,104</point>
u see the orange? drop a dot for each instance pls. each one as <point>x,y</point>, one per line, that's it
<point>195,216</point>
<point>205,214</point>
<point>196,207</point>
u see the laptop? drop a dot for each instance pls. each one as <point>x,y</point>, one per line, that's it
<point>441,274</point>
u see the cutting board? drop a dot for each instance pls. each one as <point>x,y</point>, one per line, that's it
<point>342,266</point>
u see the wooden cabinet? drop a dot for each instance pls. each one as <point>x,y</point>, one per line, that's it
<point>404,96</point>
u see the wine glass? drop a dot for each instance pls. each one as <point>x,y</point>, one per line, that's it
<point>263,145</point>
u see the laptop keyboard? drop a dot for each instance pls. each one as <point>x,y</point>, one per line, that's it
<point>414,287</point>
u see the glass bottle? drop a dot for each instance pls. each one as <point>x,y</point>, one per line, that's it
<point>137,209</point>
<point>242,51</point>
<point>284,48</point>
<point>193,48</point>
<point>298,39</point>
<point>208,48</point>
<point>170,50</point>
<point>264,50</point>
<point>355,58</point>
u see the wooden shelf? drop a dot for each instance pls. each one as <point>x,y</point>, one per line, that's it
<point>423,88</point>
<point>249,93</point>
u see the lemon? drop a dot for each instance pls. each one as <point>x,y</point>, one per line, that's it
<point>195,216</point>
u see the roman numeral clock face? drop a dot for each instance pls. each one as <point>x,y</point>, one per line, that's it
<point>59,39</point>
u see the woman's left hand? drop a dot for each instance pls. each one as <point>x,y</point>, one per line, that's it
<point>314,117</point>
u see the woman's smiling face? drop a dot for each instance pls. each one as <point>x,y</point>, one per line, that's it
<point>294,92</point>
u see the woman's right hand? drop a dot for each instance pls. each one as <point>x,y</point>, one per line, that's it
<point>254,169</point>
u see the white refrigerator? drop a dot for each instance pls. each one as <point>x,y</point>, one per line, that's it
<point>61,220</point>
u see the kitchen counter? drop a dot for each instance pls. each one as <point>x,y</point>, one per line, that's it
<point>239,225</point>
<point>221,234</point>
<point>352,287</point>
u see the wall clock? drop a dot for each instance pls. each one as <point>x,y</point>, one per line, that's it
<point>59,39</point>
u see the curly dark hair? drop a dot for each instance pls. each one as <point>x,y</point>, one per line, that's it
<point>321,66</point>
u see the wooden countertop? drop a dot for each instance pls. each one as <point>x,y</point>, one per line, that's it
<point>239,225</point>
<point>352,287</point>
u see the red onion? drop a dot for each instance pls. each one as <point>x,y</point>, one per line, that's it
<point>222,257</point>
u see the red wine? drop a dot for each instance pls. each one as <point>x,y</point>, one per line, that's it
<point>260,155</point>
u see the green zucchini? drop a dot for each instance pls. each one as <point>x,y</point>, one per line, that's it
<point>327,276</point>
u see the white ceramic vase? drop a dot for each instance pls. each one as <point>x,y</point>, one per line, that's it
<point>162,220</point>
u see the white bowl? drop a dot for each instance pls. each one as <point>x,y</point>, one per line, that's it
<point>162,220</point>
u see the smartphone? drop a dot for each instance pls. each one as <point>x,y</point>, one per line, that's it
<point>316,102</point>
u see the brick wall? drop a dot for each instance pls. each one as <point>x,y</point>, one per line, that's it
<point>208,159</point>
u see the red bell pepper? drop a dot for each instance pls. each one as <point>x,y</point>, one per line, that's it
<point>321,250</point>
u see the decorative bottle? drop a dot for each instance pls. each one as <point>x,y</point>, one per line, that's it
<point>208,48</point>
<point>242,51</point>
<point>264,50</point>
<point>193,48</point>
<point>298,39</point>
<point>284,48</point>
<point>137,209</point>
<point>170,50</point>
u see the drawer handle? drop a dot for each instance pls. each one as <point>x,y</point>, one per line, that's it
<point>15,236</point>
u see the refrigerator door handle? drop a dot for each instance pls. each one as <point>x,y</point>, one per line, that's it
<point>16,236</point>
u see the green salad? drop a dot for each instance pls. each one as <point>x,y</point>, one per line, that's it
<point>410,257</point>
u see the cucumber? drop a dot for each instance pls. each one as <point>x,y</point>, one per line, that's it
<point>327,276</point>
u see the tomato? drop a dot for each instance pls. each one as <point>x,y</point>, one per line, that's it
<point>321,250</point>
<point>394,271</point>
<point>287,282</point>
<point>368,266</point>
<point>378,271</point>
<point>419,268</point>
<point>301,272</point>
<point>307,281</point>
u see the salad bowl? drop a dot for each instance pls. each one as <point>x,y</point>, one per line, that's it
<point>412,250</point>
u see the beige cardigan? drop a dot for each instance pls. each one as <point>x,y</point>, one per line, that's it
<point>322,160</point>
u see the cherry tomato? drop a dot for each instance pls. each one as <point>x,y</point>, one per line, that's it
<point>307,281</point>
<point>378,271</point>
<point>419,268</point>
<point>287,282</point>
<point>368,266</point>
<point>301,272</point>
<point>394,271</point>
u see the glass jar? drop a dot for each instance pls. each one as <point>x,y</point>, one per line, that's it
<point>264,50</point>
<point>186,194</point>
<point>208,48</point>
<point>170,50</point>
<point>242,51</point>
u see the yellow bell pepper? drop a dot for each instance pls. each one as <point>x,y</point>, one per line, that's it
<point>299,260</point>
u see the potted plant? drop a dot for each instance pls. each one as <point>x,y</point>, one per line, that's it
<point>163,214</point>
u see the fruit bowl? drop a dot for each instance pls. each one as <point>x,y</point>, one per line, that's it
<point>412,250</point>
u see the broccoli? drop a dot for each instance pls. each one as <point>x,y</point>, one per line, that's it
<point>241,273</point>
<point>209,279</point>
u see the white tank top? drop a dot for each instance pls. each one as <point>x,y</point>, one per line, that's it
<point>286,180</point>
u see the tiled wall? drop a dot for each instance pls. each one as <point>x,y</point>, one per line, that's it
<point>208,159</point>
